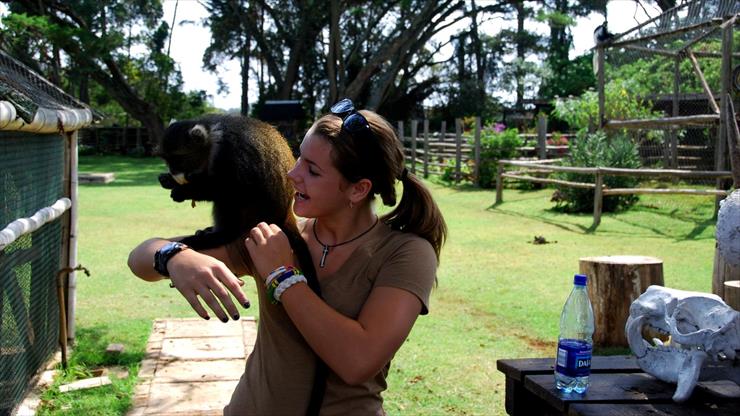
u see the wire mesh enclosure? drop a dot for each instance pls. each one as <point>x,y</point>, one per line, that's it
<point>38,161</point>
<point>671,69</point>
<point>31,172</point>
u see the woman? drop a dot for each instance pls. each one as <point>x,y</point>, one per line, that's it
<point>375,274</point>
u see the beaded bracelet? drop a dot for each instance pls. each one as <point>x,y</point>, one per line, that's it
<point>276,277</point>
<point>285,284</point>
<point>275,273</point>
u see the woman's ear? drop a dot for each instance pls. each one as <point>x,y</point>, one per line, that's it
<point>360,190</point>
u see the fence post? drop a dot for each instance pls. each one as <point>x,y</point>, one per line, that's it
<point>675,112</point>
<point>458,149</point>
<point>600,51</point>
<point>426,148</point>
<point>443,131</point>
<point>542,136</point>
<point>476,167</point>
<point>414,127</point>
<point>499,183</point>
<point>724,118</point>
<point>598,198</point>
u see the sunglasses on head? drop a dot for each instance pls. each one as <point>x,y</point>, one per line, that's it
<point>353,122</point>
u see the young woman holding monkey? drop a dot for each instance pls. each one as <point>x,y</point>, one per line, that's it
<point>376,273</point>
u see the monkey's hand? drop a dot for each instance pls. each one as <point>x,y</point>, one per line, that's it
<point>167,181</point>
<point>182,193</point>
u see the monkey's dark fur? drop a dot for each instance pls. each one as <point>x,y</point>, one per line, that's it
<point>241,164</point>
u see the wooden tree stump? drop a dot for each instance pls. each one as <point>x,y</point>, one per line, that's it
<point>732,294</point>
<point>722,273</point>
<point>614,282</point>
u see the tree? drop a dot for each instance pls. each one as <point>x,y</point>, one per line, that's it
<point>96,38</point>
<point>376,53</point>
<point>563,76</point>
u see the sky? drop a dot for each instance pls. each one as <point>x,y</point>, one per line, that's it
<point>189,40</point>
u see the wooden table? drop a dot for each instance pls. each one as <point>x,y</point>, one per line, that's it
<point>618,388</point>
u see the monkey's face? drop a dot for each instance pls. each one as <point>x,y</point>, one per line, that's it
<point>186,147</point>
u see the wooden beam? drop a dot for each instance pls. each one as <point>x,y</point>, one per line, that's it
<point>628,191</point>
<point>621,44</point>
<point>703,81</point>
<point>547,180</point>
<point>623,171</point>
<point>660,123</point>
<point>692,42</point>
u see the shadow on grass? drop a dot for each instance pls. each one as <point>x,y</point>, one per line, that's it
<point>565,225</point>
<point>565,222</point>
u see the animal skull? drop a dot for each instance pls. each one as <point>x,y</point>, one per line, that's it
<point>701,326</point>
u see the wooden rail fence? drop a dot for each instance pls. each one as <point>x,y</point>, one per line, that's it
<point>600,190</point>
<point>430,151</point>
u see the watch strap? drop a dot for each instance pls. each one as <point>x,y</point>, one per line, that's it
<point>164,254</point>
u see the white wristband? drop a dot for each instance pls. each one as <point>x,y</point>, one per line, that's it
<point>285,284</point>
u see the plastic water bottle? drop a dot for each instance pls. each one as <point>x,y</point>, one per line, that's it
<point>573,363</point>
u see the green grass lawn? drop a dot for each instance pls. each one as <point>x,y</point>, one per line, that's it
<point>499,296</point>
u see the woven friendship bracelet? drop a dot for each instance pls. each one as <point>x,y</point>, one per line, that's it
<point>278,278</point>
<point>275,273</point>
<point>285,284</point>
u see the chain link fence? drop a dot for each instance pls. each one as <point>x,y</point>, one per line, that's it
<point>31,174</point>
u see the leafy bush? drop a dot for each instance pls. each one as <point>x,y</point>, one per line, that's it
<point>496,144</point>
<point>596,150</point>
<point>622,102</point>
<point>448,172</point>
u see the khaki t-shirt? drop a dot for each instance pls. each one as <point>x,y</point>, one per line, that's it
<point>279,372</point>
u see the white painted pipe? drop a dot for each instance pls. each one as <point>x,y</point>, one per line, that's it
<point>23,226</point>
<point>72,281</point>
<point>45,120</point>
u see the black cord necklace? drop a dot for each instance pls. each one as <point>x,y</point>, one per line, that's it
<point>326,247</point>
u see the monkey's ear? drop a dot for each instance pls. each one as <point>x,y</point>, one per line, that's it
<point>199,134</point>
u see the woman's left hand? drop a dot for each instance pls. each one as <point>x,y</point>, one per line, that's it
<point>269,248</point>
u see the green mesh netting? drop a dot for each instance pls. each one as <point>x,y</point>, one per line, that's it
<point>31,171</point>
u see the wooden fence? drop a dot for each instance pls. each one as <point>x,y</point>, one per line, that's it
<point>431,152</point>
<point>600,190</point>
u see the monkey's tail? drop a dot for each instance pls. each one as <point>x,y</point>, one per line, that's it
<point>300,248</point>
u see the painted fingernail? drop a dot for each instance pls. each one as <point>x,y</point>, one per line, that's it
<point>224,320</point>
<point>247,304</point>
<point>207,318</point>
<point>236,316</point>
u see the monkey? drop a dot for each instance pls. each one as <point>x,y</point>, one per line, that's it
<point>602,34</point>
<point>240,164</point>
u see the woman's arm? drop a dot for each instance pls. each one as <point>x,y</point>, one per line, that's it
<point>206,274</point>
<point>355,350</point>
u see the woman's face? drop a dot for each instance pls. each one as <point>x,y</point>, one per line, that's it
<point>320,188</point>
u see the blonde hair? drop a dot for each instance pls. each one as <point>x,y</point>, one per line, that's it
<point>381,160</point>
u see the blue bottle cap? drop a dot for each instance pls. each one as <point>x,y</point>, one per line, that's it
<point>580,279</point>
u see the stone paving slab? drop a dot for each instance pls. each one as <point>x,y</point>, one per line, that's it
<point>192,366</point>
<point>202,348</point>
<point>181,371</point>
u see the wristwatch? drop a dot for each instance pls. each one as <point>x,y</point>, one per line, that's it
<point>164,254</point>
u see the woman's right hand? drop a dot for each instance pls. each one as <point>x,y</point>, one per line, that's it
<point>196,275</point>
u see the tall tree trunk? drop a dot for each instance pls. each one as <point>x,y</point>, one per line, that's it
<point>520,55</point>
<point>245,78</point>
<point>333,56</point>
